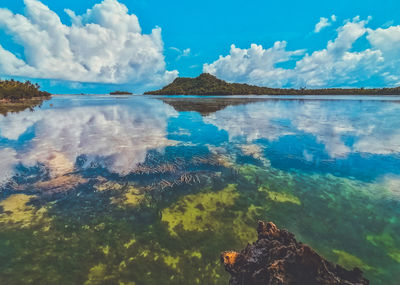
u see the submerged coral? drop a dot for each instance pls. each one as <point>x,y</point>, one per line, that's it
<point>276,258</point>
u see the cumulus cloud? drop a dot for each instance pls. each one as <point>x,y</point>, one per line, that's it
<point>336,65</point>
<point>255,65</point>
<point>106,45</point>
<point>116,137</point>
<point>388,42</point>
<point>323,23</point>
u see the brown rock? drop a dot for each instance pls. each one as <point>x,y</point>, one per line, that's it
<point>276,258</point>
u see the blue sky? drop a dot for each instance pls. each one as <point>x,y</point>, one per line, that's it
<point>197,33</point>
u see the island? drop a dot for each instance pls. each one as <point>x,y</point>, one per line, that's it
<point>121,93</point>
<point>207,84</point>
<point>17,96</point>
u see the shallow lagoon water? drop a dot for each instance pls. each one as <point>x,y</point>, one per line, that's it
<point>141,190</point>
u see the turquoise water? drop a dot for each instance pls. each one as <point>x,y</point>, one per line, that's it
<point>140,190</point>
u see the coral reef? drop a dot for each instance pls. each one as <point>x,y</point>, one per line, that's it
<point>276,258</point>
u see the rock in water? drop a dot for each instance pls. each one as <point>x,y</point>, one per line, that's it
<point>276,258</point>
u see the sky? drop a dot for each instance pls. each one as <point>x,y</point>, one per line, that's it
<point>98,46</point>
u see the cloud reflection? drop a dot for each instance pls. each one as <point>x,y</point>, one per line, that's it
<point>371,127</point>
<point>116,137</point>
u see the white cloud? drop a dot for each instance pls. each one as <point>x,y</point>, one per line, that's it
<point>323,23</point>
<point>117,137</point>
<point>181,53</point>
<point>336,65</point>
<point>388,42</point>
<point>186,52</point>
<point>104,45</point>
<point>255,65</point>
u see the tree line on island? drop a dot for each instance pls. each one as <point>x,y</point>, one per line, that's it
<point>207,84</point>
<point>12,90</point>
<point>118,92</point>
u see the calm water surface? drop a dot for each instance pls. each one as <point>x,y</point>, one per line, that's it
<point>140,190</point>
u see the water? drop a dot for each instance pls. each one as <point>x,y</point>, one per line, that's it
<point>141,190</point>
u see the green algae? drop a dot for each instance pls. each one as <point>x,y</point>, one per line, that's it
<point>131,197</point>
<point>171,261</point>
<point>350,261</point>
<point>109,186</point>
<point>123,194</point>
<point>17,212</point>
<point>113,241</point>
<point>105,249</point>
<point>196,254</point>
<point>385,240</point>
<point>244,221</point>
<point>388,243</point>
<point>195,212</point>
<point>332,210</point>
<point>129,243</point>
<point>283,198</point>
<point>97,275</point>
<point>395,255</point>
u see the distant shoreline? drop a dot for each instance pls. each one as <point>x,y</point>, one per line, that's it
<point>121,93</point>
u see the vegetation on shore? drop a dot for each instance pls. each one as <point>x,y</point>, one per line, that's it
<point>17,96</point>
<point>207,84</point>
<point>11,90</point>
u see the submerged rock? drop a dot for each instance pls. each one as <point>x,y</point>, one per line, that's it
<point>276,258</point>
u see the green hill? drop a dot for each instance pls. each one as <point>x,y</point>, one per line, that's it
<point>207,84</point>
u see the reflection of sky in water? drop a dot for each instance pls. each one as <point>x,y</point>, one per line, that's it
<point>348,137</point>
<point>342,127</point>
<point>116,136</point>
<point>327,170</point>
<point>355,138</point>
